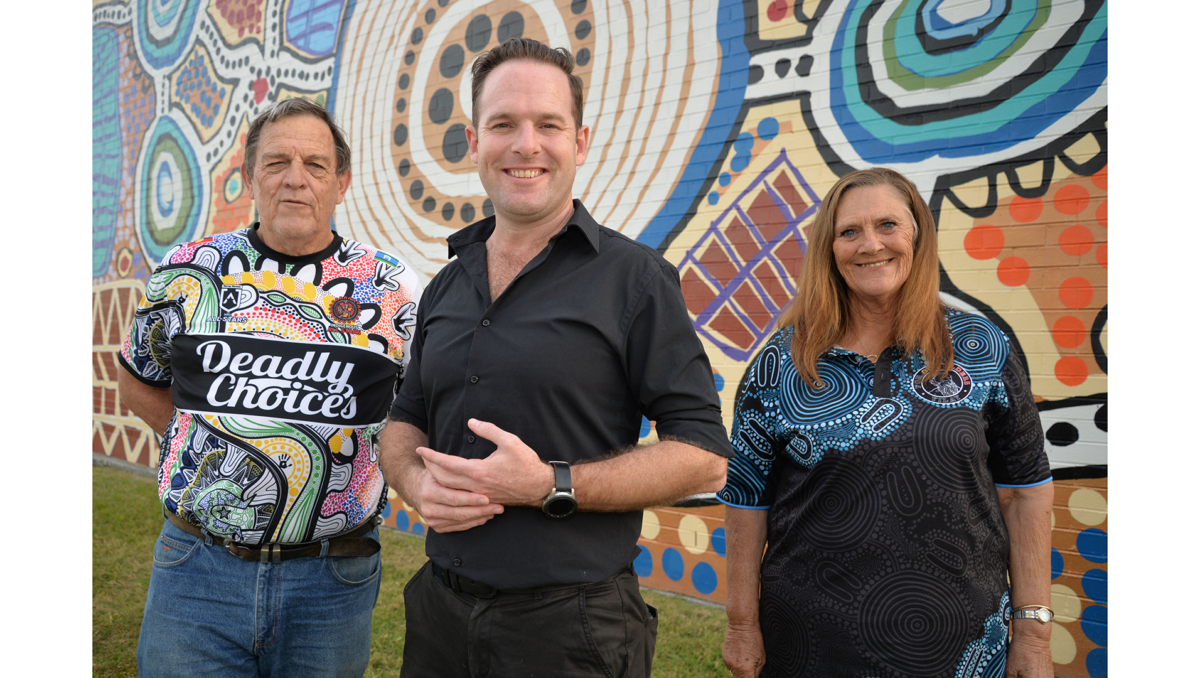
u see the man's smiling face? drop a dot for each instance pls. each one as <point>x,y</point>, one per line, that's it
<point>295,184</point>
<point>526,143</point>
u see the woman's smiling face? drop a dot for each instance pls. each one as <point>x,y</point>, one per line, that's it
<point>873,237</point>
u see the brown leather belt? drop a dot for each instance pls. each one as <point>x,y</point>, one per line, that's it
<point>349,545</point>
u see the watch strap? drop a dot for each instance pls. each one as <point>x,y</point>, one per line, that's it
<point>562,476</point>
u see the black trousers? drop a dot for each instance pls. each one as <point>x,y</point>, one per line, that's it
<point>588,630</point>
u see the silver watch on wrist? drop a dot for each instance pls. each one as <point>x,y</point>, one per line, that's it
<point>1043,614</point>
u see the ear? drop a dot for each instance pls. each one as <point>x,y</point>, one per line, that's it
<point>343,184</point>
<point>472,144</point>
<point>247,180</point>
<point>583,138</point>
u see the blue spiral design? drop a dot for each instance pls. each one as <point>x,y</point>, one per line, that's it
<point>843,393</point>
<point>989,84</point>
<point>979,346</point>
<point>165,29</point>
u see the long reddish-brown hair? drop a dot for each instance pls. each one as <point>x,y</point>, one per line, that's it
<point>820,313</point>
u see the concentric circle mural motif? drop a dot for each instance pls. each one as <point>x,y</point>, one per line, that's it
<point>404,96</point>
<point>171,190</point>
<point>165,30</point>
<point>929,83</point>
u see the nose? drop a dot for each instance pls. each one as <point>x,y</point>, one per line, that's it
<point>295,175</point>
<point>871,242</point>
<point>525,142</point>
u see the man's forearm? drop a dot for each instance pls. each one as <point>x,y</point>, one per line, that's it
<point>654,475</point>
<point>398,443</point>
<point>153,405</point>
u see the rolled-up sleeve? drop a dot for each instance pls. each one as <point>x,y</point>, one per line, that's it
<point>668,370</point>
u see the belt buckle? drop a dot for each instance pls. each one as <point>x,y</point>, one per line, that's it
<point>232,548</point>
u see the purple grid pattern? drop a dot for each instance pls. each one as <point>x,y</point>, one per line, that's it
<point>714,233</point>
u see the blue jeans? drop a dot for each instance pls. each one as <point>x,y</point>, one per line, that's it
<point>209,613</point>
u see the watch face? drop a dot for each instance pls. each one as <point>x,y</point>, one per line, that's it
<point>559,507</point>
<point>1044,616</point>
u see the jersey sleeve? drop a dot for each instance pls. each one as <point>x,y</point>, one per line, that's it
<point>1018,454</point>
<point>409,405</point>
<point>750,482</point>
<point>146,351</point>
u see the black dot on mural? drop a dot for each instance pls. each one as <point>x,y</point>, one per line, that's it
<point>1102,418</point>
<point>430,15</point>
<point>401,104</point>
<point>577,6</point>
<point>447,212</point>
<point>467,212</point>
<point>583,56</point>
<point>755,74</point>
<point>404,167</point>
<point>409,57</point>
<point>804,65</point>
<point>479,32</point>
<point>443,3</point>
<point>582,29</point>
<point>488,210</point>
<point>417,189</point>
<point>782,67</point>
<point>441,105</point>
<point>400,135</point>
<point>429,204</point>
<point>417,35</point>
<point>1062,434</point>
<point>511,26</point>
<point>454,143</point>
<point>403,81</point>
<point>451,62</point>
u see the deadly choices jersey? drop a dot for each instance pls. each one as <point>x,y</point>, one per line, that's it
<point>281,370</point>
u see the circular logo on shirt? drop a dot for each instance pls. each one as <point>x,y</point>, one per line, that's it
<point>947,390</point>
<point>344,309</point>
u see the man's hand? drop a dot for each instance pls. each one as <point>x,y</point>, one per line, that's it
<point>445,509</point>
<point>513,475</point>
<point>743,651</point>
<point>1029,653</point>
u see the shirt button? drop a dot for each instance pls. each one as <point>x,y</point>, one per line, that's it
<point>486,322</point>
<point>458,562</point>
<point>470,439</point>
<point>474,379</point>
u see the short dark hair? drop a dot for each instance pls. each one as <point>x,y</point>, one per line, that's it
<point>525,49</point>
<point>286,109</point>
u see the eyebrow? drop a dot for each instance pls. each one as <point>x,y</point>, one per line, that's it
<point>283,155</point>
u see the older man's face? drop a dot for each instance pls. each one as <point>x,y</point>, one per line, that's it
<point>295,184</point>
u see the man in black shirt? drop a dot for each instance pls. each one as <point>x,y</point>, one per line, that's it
<point>545,340</point>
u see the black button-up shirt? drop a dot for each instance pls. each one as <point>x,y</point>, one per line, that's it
<point>591,334</point>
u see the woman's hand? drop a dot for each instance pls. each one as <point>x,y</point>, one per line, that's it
<point>743,651</point>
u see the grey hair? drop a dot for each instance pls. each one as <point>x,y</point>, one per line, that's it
<point>286,109</point>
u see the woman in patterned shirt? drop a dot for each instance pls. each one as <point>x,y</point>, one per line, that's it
<point>889,459</point>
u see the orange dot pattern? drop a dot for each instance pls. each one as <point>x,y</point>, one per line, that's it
<point>1056,246</point>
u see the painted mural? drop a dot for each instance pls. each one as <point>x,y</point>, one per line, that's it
<point>717,127</point>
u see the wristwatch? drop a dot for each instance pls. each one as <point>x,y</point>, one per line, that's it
<point>560,503</point>
<point>1043,614</point>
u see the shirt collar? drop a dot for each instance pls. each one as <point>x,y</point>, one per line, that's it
<point>480,231</point>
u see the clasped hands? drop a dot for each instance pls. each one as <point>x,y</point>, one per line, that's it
<point>457,494</point>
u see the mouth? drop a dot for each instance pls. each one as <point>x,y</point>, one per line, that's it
<point>524,173</point>
<point>874,264</point>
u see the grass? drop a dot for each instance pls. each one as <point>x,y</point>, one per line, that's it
<point>125,523</point>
